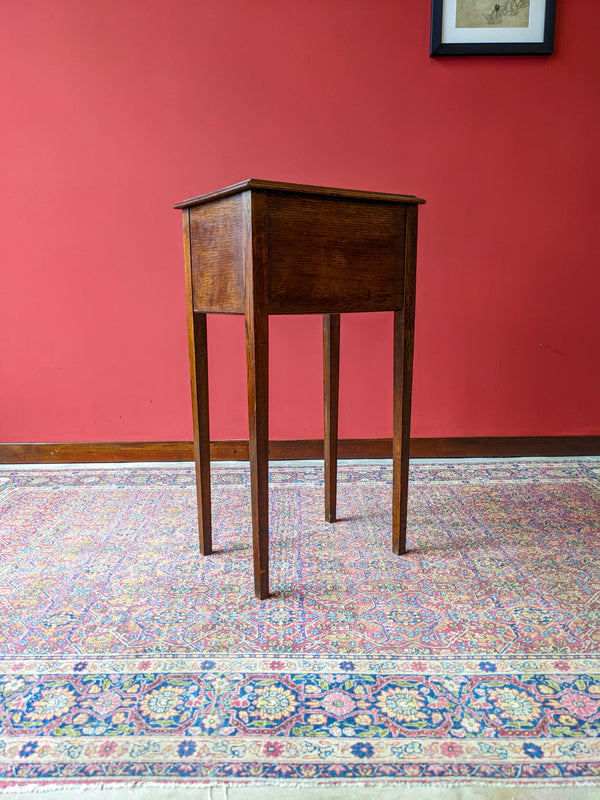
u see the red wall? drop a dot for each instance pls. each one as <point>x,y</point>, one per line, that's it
<point>113,110</point>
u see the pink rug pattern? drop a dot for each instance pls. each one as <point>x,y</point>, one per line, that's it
<point>476,656</point>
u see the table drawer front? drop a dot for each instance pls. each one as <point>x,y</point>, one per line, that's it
<point>332,255</point>
<point>216,238</point>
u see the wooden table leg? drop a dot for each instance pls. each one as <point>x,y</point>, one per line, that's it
<point>199,376</point>
<point>331,384</point>
<point>404,327</point>
<point>257,354</point>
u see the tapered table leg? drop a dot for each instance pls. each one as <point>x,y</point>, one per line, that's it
<point>401,438</point>
<point>401,442</point>
<point>257,354</point>
<point>404,327</point>
<point>199,376</point>
<point>331,383</point>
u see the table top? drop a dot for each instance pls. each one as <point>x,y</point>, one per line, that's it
<point>295,188</point>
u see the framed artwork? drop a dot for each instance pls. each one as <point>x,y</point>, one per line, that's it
<point>492,27</point>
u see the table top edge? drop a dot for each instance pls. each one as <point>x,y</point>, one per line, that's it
<point>298,188</point>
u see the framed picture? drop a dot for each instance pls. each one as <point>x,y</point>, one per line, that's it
<point>492,27</point>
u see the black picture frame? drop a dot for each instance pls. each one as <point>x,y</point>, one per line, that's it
<point>439,47</point>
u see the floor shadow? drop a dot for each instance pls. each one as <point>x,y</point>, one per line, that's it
<point>219,551</point>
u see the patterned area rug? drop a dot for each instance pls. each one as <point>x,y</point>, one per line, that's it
<point>125,655</point>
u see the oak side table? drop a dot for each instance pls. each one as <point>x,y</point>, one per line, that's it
<point>260,248</point>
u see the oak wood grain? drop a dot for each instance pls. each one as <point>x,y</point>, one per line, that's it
<point>216,243</point>
<point>330,255</point>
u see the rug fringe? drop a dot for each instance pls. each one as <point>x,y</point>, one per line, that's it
<point>294,784</point>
